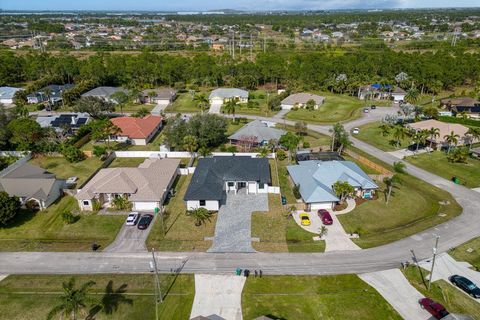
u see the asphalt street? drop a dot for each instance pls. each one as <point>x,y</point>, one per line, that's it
<point>452,233</point>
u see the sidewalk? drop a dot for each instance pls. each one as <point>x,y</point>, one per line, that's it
<point>218,297</point>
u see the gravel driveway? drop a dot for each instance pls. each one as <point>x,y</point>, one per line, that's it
<point>233,231</point>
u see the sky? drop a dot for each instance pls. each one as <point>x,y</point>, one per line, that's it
<point>204,5</point>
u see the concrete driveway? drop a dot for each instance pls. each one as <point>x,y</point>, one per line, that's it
<point>233,231</point>
<point>130,238</point>
<point>446,266</point>
<point>336,238</point>
<point>159,108</point>
<point>215,108</point>
<point>398,292</point>
<point>218,297</point>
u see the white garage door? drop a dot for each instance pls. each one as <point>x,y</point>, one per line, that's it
<point>322,205</point>
<point>144,206</point>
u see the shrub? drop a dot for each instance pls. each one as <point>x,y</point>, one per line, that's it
<point>121,203</point>
<point>72,154</point>
<point>99,151</point>
<point>296,191</point>
<point>232,149</point>
<point>96,205</point>
<point>281,155</point>
<point>39,107</point>
<point>69,217</point>
<point>9,207</point>
<point>306,144</point>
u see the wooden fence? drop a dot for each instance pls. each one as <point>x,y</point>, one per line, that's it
<point>383,171</point>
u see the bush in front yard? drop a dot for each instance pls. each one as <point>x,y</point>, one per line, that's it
<point>72,154</point>
<point>281,155</point>
<point>69,217</point>
<point>296,191</point>
<point>121,203</point>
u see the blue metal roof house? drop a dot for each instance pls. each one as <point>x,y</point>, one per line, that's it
<point>316,179</point>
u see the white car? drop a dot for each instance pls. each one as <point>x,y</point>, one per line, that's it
<point>132,218</point>
<point>356,130</point>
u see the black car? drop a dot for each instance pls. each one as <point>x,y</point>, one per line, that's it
<point>373,107</point>
<point>144,221</point>
<point>466,285</point>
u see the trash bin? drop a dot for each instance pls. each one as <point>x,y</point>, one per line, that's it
<point>238,272</point>
<point>284,200</point>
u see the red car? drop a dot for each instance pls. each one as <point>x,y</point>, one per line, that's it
<point>325,216</point>
<point>434,308</point>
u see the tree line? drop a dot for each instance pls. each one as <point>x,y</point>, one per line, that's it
<point>342,72</point>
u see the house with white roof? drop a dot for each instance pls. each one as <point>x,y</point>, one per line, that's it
<point>222,95</point>
<point>316,179</point>
<point>7,94</point>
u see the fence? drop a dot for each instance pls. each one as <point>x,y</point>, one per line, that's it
<point>369,163</point>
<point>19,154</point>
<point>180,154</point>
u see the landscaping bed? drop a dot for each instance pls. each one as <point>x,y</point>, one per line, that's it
<point>33,296</point>
<point>313,297</point>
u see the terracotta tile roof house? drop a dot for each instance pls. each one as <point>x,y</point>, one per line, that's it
<point>32,184</point>
<point>444,129</point>
<point>300,100</point>
<point>146,187</point>
<point>139,131</point>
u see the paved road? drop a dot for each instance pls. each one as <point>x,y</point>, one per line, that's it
<point>452,233</point>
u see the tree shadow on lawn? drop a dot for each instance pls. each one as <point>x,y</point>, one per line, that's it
<point>111,300</point>
<point>21,218</point>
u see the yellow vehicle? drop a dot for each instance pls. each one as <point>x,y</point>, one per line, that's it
<point>304,219</point>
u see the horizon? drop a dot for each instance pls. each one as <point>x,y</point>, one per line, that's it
<point>230,5</point>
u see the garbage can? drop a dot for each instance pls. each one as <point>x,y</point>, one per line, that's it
<point>238,272</point>
<point>284,200</point>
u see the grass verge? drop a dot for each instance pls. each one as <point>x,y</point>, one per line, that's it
<point>313,297</point>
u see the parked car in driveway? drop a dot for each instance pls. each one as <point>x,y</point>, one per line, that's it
<point>434,308</point>
<point>466,285</point>
<point>373,107</point>
<point>132,219</point>
<point>144,221</point>
<point>366,110</point>
<point>356,130</point>
<point>325,216</point>
<point>304,219</point>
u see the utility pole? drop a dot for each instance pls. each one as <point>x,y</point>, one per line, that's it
<point>433,261</point>
<point>158,291</point>
<point>264,43</point>
<point>240,44</point>
<point>233,45</point>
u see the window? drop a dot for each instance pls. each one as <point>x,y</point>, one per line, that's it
<point>86,203</point>
<point>231,184</point>
<point>261,186</point>
<point>202,202</point>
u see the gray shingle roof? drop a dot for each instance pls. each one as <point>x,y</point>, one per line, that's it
<point>258,129</point>
<point>103,92</point>
<point>28,181</point>
<point>302,98</point>
<point>211,174</point>
<point>228,93</point>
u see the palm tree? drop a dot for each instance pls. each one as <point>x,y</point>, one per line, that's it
<point>399,133</point>
<point>151,95</point>
<point>391,182</point>
<point>263,152</point>
<point>412,95</point>
<point>419,137</point>
<point>230,107</point>
<point>342,189</point>
<point>399,167</point>
<point>451,139</point>
<point>472,135</point>
<point>72,300</point>
<point>121,98</point>
<point>190,143</point>
<point>202,101</point>
<point>434,134</point>
<point>200,215</point>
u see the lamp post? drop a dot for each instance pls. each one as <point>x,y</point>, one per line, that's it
<point>433,261</point>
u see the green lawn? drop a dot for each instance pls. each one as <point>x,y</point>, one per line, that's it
<point>336,108</point>
<point>437,163</point>
<point>46,231</point>
<point>460,253</point>
<point>443,292</point>
<point>372,134</point>
<point>313,138</point>
<point>313,297</point>
<point>135,107</point>
<point>183,103</point>
<point>33,296</point>
<point>64,169</point>
<point>414,206</point>
<point>234,126</point>
<point>126,162</point>
<point>181,232</point>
